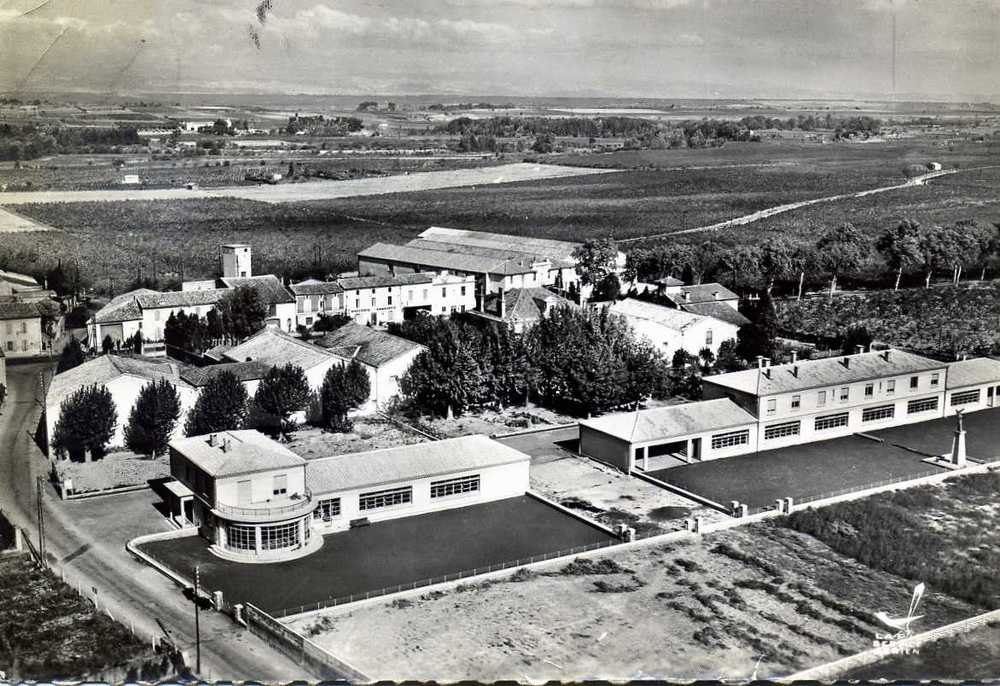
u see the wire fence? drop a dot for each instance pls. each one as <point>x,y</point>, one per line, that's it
<point>430,581</point>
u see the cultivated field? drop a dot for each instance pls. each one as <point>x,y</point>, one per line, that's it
<point>708,609</point>
<point>15,223</point>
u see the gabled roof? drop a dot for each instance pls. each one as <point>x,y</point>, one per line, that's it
<point>465,454</point>
<point>549,247</point>
<point>351,283</point>
<point>717,310</point>
<point>521,255</point>
<point>156,300</point>
<point>442,259</point>
<point>524,304</point>
<point>669,317</point>
<point>705,292</point>
<point>316,287</point>
<point>273,347</point>
<point>106,368</point>
<point>243,371</point>
<point>268,286</point>
<point>17,309</point>
<point>664,423</point>
<point>235,453</point>
<point>122,308</point>
<point>371,346</point>
<point>978,370</point>
<point>19,281</point>
<point>830,371</point>
<point>669,281</point>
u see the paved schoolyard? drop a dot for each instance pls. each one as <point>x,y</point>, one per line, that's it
<point>982,435</point>
<point>546,445</point>
<point>388,553</point>
<point>803,472</point>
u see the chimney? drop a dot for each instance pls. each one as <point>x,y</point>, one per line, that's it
<point>211,440</point>
<point>795,371</point>
<point>225,445</point>
<point>795,356</point>
<point>858,349</point>
<point>503,303</point>
<point>715,294</point>
<point>687,296</point>
<point>760,362</point>
<point>846,362</point>
<point>767,372</point>
<point>887,354</point>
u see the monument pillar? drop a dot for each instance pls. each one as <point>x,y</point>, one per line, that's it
<point>958,443</point>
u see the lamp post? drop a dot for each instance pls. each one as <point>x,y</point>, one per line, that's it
<point>197,627</point>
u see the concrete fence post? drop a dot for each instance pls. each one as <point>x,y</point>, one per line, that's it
<point>18,539</point>
<point>689,525</point>
<point>789,504</point>
<point>779,505</point>
<point>217,600</point>
<point>744,510</point>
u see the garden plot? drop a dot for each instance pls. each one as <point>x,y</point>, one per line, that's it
<point>708,609</point>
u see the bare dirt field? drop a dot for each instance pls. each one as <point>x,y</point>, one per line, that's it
<point>706,609</point>
<point>370,433</point>
<point>489,422</point>
<point>113,470</point>
<point>15,223</point>
<point>320,190</point>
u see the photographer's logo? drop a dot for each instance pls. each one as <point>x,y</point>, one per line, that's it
<point>901,626</point>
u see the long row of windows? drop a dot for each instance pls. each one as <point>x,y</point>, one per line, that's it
<point>241,537</point>
<point>730,439</point>
<point>327,509</point>
<point>462,484</point>
<point>831,421</point>
<point>965,397</point>
<point>922,405</point>
<point>781,430</point>
<point>874,414</point>
<point>388,498</point>
<point>279,536</point>
<point>844,393</point>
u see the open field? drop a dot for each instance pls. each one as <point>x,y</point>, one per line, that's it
<point>388,553</point>
<point>51,632</point>
<point>803,472</point>
<point>370,433</point>
<point>319,190</point>
<point>15,223</point>
<point>707,609</point>
<point>113,470</point>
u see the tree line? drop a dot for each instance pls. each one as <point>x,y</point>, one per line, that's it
<point>30,141</point>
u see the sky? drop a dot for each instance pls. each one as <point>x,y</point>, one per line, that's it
<point>946,49</point>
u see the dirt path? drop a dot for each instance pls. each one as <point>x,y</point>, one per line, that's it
<point>321,190</point>
<point>781,209</point>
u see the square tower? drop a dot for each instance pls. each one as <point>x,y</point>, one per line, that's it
<point>236,261</point>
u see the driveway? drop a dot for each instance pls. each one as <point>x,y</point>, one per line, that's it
<point>546,445</point>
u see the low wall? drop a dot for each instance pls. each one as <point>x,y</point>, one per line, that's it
<point>535,430</point>
<point>682,492</point>
<point>133,547</point>
<point>572,513</point>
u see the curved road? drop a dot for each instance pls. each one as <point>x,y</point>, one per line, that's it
<point>85,538</point>
<point>780,209</point>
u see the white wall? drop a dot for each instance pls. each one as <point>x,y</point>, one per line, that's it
<point>385,382</point>
<point>986,399</point>
<point>261,486</point>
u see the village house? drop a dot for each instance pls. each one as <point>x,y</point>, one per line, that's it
<point>29,328</point>
<point>521,308</point>
<point>274,348</point>
<point>670,330</point>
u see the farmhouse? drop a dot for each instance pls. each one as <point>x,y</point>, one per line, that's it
<point>256,501</point>
<point>124,377</point>
<point>273,348</point>
<point>29,328</point>
<point>247,373</point>
<point>521,308</point>
<point>671,329</point>
<point>120,319</point>
<point>385,357</point>
<point>692,298</point>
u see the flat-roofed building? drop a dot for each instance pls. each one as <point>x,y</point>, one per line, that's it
<point>972,385</point>
<point>687,432</point>
<point>256,501</point>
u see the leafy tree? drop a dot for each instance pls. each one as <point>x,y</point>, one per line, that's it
<point>707,358</point>
<point>87,421</point>
<point>344,389</point>
<point>900,247</point>
<point>703,260</point>
<point>221,406</point>
<point>242,313</point>
<point>282,392</point>
<point>544,143</point>
<point>855,336</point>
<point>596,260</point>
<point>446,378</point>
<point>511,374</point>
<point>758,338</point>
<point>840,250</point>
<point>727,359</point>
<point>330,322</point>
<point>153,418</point>
<point>72,356</point>
<point>775,260</point>
<point>680,358</point>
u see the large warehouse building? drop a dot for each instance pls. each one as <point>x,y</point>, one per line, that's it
<point>256,501</point>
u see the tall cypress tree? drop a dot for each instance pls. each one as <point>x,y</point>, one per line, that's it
<point>153,418</point>
<point>87,421</point>
<point>221,406</point>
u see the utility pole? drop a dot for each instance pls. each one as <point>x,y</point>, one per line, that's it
<point>39,485</point>
<point>197,626</point>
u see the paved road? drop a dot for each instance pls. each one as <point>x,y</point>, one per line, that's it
<point>86,540</point>
<point>547,445</point>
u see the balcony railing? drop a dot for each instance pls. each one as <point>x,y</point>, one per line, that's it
<point>266,510</point>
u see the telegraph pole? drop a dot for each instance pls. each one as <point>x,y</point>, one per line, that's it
<point>197,627</point>
<point>39,485</point>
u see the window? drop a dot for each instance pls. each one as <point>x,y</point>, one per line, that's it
<point>796,402</point>
<point>708,337</point>
<point>914,381</point>
<point>772,405</point>
<point>874,414</point>
<point>922,405</point>
<point>821,399</point>
<point>457,486</point>
<point>890,386</point>
<point>156,315</point>
<point>24,327</point>
<point>935,377</point>
<point>781,430</point>
<point>373,301</point>
<point>965,397</point>
<point>869,390</point>
<point>463,290</point>
<point>241,537</point>
<point>444,292</point>
<point>279,536</point>
<point>390,299</point>
<point>831,421</point>
<point>10,346</point>
<point>327,509</point>
<point>730,439</point>
<point>280,484</point>
<point>387,498</point>
<point>425,294</point>
<point>845,393</point>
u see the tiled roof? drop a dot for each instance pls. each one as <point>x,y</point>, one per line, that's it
<point>16,309</point>
<point>669,281</point>
<point>672,422</point>
<point>705,292</point>
<point>247,451</point>
<point>555,249</point>
<point>316,287</point>
<point>156,300</point>
<point>273,347</point>
<point>243,371</point>
<point>19,280</point>
<point>122,308</point>
<point>405,463</point>
<point>350,283</point>
<point>106,368</point>
<point>524,255</point>
<point>830,371</point>
<point>978,370</point>
<point>525,304</point>
<point>717,310</point>
<point>268,287</point>
<point>664,316</point>
<point>442,259</point>
<point>374,347</point>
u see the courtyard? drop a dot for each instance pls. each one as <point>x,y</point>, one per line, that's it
<point>982,435</point>
<point>387,554</point>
